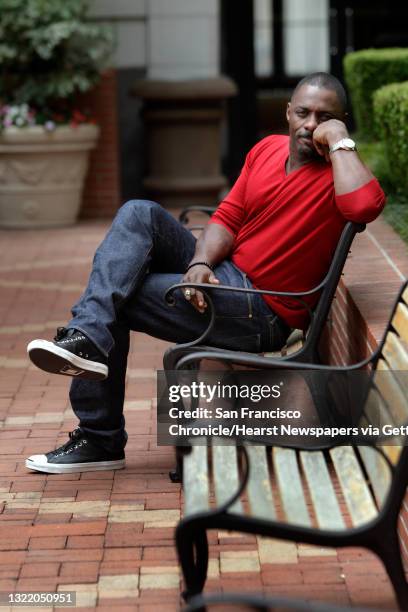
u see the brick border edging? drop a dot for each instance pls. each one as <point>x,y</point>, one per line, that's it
<point>377,266</point>
<point>373,274</point>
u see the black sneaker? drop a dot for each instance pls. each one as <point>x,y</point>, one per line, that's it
<point>71,353</point>
<point>79,454</point>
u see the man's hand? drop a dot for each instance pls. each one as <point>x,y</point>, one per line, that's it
<point>327,134</point>
<point>198,274</point>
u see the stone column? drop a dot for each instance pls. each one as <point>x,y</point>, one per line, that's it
<point>183,122</point>
<point>183,99</point>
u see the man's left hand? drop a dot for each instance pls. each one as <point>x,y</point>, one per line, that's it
<point>327,134</point>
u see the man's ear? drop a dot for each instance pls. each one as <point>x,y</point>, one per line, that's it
<point>288,111</point>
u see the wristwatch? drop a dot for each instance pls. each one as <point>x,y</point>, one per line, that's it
<point>345,143</point>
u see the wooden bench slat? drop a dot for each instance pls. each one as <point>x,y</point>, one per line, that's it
<point>259,487</point>
<point>400,320</point>
<point>354,487</point>
<point>392,451</point>
<point>225,474</point>
<point>323,496</point>
<point>195,481</point>
<point>391,392</point>
<point>290,486</point>
<point>395,352</point>
<point>377,470</point>
<point>375,410</point>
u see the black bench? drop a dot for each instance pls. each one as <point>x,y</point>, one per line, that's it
<point>300,347</point>
<point>259,603</point>
<point>308,352</point>
<point>365,475</point>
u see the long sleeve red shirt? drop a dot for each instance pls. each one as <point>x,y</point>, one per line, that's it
<point>286,227</point>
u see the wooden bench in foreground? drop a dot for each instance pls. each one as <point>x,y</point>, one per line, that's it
<point>341,495</point>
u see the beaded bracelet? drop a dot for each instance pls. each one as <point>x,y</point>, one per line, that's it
<point>201,263</point>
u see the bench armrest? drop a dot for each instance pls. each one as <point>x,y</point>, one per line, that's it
<point>271,363</point>
<point>210,286</point>
<point>208,210</point>
<point>206,288</point>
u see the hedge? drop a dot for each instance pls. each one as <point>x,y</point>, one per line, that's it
<point>390,105</point>
<point>368,70</point>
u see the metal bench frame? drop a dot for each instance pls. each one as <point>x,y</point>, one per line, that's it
<point>379,534</point>
<point>261,603</point>
<point>327,288</point>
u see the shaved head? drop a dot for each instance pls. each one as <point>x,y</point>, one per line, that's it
<point>324,80</point>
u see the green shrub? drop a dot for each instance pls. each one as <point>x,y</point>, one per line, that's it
<point>391,119</point>
<point>368,70</point>
<point>374,155</point>
<point>49,52</point>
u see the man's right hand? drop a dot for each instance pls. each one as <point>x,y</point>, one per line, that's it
<point>198,274</point>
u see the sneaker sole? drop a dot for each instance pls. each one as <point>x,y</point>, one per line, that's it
<point>46,356</point>
<point>61,468</point>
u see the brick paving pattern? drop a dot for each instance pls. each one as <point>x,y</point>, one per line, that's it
<point>109,536</point>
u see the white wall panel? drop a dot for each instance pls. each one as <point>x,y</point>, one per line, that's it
<point>305,36</point>
<point>118,8</point>
<point>182,7</point>
<point>185,47</point>
<point>131,45</point>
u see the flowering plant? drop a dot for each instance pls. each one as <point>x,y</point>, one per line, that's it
<point>22,115</point>
<point>50,52</point>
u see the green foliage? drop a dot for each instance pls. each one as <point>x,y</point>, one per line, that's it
<point>49,52</point>
<point>390,105</point>
<point>367,70</point>
<point>373,153</point>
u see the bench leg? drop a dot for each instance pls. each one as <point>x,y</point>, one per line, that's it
<point>192,549</point>
<point>176,475</point>
<point>390,553</point>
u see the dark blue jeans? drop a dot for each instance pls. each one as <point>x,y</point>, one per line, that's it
<point>145,252</point>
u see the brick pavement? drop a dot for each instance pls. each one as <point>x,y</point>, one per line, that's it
<point>109,536</point>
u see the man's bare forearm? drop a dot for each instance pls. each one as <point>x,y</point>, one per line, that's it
<point>213,245</point>
<point>349,172</point>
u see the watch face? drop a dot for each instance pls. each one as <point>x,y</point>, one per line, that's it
<point>349,143</point>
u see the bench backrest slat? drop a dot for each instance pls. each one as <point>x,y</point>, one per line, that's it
<point>395,352</point>
<point>225,474</point>
<point>196,498</point>
<point>375,410</point>
<point>353,485</point>
<point>259,487</point>
<point>400,321</point>
<point>378,471</point>
<point>322,493</point>
<point>290,486</point>
<point>386,382</point>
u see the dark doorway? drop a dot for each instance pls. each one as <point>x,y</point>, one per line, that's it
<point>361,25</point>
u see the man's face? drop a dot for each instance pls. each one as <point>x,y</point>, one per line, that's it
<point>309,107</point>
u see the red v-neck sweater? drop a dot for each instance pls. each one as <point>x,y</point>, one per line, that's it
<point>286,227</point>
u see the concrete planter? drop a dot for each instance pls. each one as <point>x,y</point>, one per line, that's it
<point>42,174</point>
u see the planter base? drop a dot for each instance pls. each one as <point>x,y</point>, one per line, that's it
<point>42,175</point>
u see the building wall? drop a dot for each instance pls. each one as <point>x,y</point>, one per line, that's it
<point>127,18</point>
<point>177,40</point>
<point>158,39</point>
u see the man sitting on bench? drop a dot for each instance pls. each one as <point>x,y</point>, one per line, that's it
<point>277,229</point>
